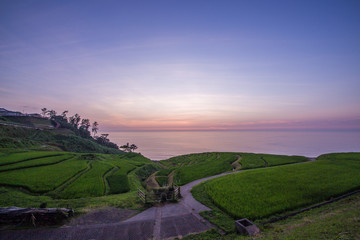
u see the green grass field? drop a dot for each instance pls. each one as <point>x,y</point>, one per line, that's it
<point>63,175</point>
<point>24,156</point>
<point>260,193</point>
<point>195,166</point>
<point>118,181</point>
<point>45,178</point>
<point>41,161</point>
<point>90,184</point>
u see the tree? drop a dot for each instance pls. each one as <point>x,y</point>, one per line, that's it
<point>44,112</point>
<point>75,120</point>
<point>133,147</point>
<point>85,124</point>
<point>129,148</point>
<point>94,128</point>
<point>51,113</point>
<point>126,147</point>
<point>63,115</point>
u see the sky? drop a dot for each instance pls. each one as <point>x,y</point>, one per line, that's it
<point>184,65</point>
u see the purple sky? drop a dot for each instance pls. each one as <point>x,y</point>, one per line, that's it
<point>163,65</point>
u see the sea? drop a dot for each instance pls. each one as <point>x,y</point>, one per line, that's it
<point>159,145</point>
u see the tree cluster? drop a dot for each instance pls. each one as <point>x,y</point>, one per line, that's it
<point>129,148</point>
<point>79,126</point>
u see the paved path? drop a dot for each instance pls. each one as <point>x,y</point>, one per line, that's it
<point>166,221</point>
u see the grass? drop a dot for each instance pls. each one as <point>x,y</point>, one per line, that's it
<point>71,182</point>
<point>45,178</point>
<point>162,176</point>
<point>45,160</point>
<point>253,160</point>
<point>276,160</point>
<point>260,193</point>
<point>23,156</point>
<point>90,184</point>
<point>338,220</point>
<point>15,197</point>
<point>195,166</point>
<point>118,181</point>
<point>25,138</point>
<point>162,181</point>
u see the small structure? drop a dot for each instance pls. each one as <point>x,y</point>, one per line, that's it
<point>246,227</point>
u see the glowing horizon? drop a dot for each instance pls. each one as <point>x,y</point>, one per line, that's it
<point>182,66</point>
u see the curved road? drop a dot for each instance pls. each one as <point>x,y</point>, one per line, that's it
<point>162,222</point>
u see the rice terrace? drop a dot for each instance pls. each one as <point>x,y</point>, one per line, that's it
<point>169,120</point>
<point>259,187</point>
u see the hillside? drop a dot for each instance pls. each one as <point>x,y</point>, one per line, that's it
<point>29,178</point>
<point>40,133</point>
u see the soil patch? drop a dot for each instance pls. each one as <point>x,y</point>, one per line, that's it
<point>237,165</point>
<point>151,181</point>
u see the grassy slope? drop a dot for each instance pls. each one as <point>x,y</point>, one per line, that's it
<point>45,178</point>
<point>90,184</point>
<point>338,220</point>
<point>81,184</point>
<point>24,138</point>
<point>10,158</point>
<point>37,162</point>
<point>195,166</point>
<point>284,188</point>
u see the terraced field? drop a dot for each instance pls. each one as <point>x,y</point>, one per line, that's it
<point>62,175</point>
<point>7,159</point>
<point>195,166</point>
<point>260,193</point>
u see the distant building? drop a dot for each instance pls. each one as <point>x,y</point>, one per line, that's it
<point>4,112</point>
<point>7,113</point>
<point>34,115</point>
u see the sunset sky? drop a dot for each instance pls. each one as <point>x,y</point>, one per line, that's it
<point>184,65</point>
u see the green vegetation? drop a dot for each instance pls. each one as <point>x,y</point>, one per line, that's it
<point>252,160</point>
<point>24,156</point>
<point>276,160</point>
<point>60,177</point>
<point>24,138</point>
<point>41,161</point>
<point>195,166</point>
<point>118,183</point>
<point>43,179</point>
<point>162,176</point>
<point>338,220</point>
<point>27,121</point>
<point>260,193</point>
<point>90,184</point>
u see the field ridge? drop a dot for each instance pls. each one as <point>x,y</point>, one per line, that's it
<point>33,158</point>
<point>38,165</point>
<point>70,180</point>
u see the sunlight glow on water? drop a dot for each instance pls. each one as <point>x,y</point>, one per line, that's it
<point>163,145</point>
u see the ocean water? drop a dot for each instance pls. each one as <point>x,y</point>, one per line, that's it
<point>158,145</point>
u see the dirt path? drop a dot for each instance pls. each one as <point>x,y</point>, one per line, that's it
<point>165,221</point>
<point>237,165</point>
<point>151,181</point>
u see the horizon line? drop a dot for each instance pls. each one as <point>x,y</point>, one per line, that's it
<point>232,130</point>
